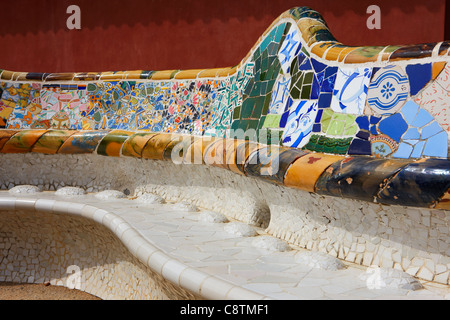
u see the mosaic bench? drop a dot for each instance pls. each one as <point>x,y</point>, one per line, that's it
<point>322,129</point>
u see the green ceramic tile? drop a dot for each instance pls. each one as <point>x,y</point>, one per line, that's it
<point>272,121</point>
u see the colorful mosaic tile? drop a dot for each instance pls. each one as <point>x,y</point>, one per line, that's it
<point>299,123</point>
<point>285,92</point>
<point>388,90</point>
<point>350,91</point>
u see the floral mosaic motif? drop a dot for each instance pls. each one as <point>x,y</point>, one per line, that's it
<point>382,146</point>
<point>299,123</point>
<point>388,90</point>
<point>350,91</point>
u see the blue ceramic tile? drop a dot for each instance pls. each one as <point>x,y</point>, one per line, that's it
<point>325,100</point>
<point>431,130</point>
<point>409,111</point>
<point>363,135</point>
<point>363,122</point>
<point>360,147</point>
<point>318,66</point>
<point>373,130</point>
<point>422,118</point>
<point>374,119</point>
<point>412,133</point>
<point>404,151</point>
<point>434,146</point>
<point>419,75</point>
<point>317,128</point>
<point>418,148</point>
<point>393,126</point>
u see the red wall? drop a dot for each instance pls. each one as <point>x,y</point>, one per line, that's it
<point>186,34</point>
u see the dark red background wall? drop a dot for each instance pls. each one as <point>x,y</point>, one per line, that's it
<point>186,34</point>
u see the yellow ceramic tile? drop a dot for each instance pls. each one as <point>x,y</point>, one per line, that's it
<point>188,74</point>
<point>155,146</point>
<point>305,171</point>
<point>133,75</point>
<point>112,143</point>
<point>119,75</point>
<point>5,135</point>
<point>51,141</point>
<point>7,75</point>
<point>226,72</point>
<point>163,75</point>
<point>308,27</point>
<point>178,147</point>
<point>209,73</point>
<point>134,145</point>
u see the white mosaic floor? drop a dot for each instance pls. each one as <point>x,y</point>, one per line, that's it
<point>208,247</point>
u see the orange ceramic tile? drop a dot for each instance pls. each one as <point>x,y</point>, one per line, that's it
<point>437,68</point>
<point>334,52</point>
<point>22,141</point>
<point>195,153</point>
<point>444,202</point>
<point>51,141</point>
<point>155,146</point>
<point>188,74</point>
<point>305,171</point>
<point>112,143</point>
<point>5,135</point>
<point>134,145</point>
<point>320,48</point>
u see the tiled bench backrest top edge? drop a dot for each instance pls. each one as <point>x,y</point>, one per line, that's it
<point>301,110</point>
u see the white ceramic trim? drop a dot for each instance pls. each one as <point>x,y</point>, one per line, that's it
<point>195,281</point>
